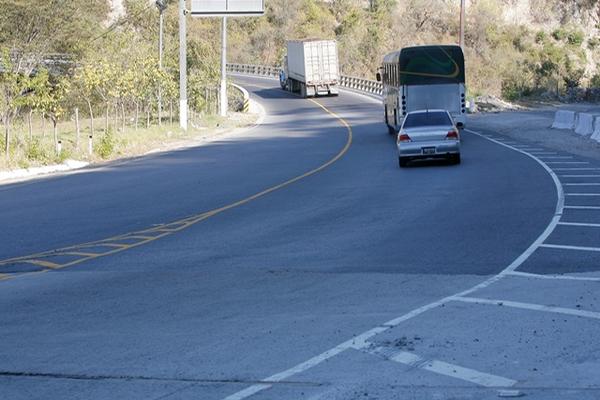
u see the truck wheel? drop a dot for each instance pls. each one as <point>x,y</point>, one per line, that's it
<point>391,130</point>
<point>302,90</point>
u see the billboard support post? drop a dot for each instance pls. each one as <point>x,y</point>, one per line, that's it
<point>223,108</point>
<point>183,104</point>
<point>225,8</point>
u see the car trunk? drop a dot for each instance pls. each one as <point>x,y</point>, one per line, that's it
<point>428,134</point>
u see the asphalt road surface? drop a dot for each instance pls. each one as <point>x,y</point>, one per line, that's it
<point>295,260</point>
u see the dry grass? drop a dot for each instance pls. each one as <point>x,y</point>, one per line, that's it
<point>40,149</point>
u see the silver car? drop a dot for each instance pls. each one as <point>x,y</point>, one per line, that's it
<point>428,134</point>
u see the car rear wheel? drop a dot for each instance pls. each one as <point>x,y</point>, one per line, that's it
<point>402,162</point>
<point>455,159</point>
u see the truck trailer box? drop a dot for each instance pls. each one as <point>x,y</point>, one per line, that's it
<point>313,62</point>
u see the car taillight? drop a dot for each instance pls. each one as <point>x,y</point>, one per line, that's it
<point>403,138</point>
<point>452,135</point>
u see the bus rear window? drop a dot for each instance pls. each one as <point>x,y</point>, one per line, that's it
<point>426,119</point>
<point>429,65</point>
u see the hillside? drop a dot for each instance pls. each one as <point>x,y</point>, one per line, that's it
<point>514,48</point>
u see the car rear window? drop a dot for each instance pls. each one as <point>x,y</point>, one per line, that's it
<point>427,119</point>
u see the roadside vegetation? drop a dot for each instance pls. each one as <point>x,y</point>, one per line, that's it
<point>71,70</point>
<point>515,49</point>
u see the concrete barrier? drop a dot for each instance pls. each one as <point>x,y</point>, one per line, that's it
<point>564,119</point>
<point>584,124</point>
<point>596,133</point>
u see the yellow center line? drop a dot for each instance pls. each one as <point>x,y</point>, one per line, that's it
<point>168,228</point>
<point>79,253</point>
<point>43,263</point>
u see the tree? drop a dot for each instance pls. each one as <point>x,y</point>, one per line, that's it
<point>13,86</point>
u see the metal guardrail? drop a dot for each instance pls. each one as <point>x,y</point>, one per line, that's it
<point>246,97</point>
<point>249,69</point>
<point>350,82</point>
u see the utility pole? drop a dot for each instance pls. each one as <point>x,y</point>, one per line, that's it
<point>462,25</point>
<point>162,6</point>
<point>183,104</point>
<point>223,93</point>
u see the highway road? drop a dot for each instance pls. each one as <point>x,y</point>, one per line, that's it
<point>295,260</point>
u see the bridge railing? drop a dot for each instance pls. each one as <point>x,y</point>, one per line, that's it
<point>350,82</point>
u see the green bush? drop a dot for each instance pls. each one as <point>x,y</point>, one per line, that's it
<point>559,34</point>
<point>540,37</point>
<point>35,151</point>
<point>595,81</point>
<point>575,38</point>
<point>106,146</point>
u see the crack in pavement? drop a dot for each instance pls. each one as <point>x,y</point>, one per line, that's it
<point>22,374</point>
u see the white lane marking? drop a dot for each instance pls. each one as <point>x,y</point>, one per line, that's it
<point>583,194</point>
<point>564,247</point>
<point>556,158</point>
<point>555,277</point>
<point>249,391</point>
<point>444,368</point>
<point>579,176</point>
<point>577,169</point>
<point>582,184</point>
<point>542,153</point>
<point>567,162</point>
<point>530,306</point>
<point>583,224</point>
<point>582,207</point>
<point>357,342</point>
<point>360,340</point>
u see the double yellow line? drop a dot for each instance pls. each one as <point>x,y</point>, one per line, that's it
<point>77,254</point>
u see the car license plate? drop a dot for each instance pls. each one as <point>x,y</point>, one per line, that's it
<point>428,150</point>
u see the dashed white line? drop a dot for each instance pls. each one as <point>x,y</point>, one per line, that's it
<point>582,207</point>
<point>579,176</point>
<point>583,194</point>
<point>555,277</point>
<point>582,224</point>
<point>530,306</point>
<point>567,162</point>
<point>577,169</point>
<point>565,247</point>
<point>556,158</point>
<point>444,368</point>
<point>583,184</point>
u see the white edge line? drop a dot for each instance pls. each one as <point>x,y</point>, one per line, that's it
<point>532,307</point>
<point>555,277</point>
<point>359,341</point>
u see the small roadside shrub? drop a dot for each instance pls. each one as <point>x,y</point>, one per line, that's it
<point>540,37</point>
<point>35,151</point>
<point>106,146</point>
<point>593,43</point>
<point>559,34</point>
<point>595,81</point>
<point>575,38</point>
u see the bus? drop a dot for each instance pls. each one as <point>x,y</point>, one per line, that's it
<point>421,78</point>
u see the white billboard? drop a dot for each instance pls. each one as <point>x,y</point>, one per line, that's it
<point>219,8</point>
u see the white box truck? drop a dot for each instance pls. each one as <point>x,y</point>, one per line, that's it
<point>311,68</point>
